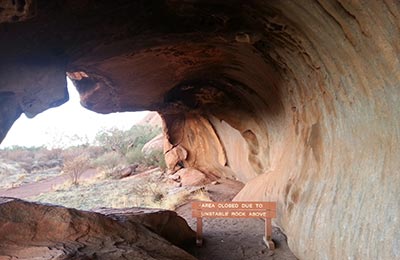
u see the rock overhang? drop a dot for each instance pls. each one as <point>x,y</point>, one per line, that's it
<point>303,94</point>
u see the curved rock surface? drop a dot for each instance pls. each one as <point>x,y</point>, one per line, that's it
<point>36,231</point>
<point>190,177</point>
<point>299,99</point>
<point>154,145</point>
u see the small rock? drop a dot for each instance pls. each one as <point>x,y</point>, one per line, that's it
<point>191,177</point>
<point>125,173</point>
<point>175,177</point>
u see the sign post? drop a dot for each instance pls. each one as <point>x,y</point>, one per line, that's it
<point>266,210</point>
<point>199,232</point>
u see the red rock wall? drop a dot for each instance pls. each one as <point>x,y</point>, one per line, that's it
<point>334,152</point>
<point>310,90</point>
<point>236,150</point>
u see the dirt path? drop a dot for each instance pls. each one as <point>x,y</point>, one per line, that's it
<point>36,188</point>
<point>234,239</point>
<point>238,239</point>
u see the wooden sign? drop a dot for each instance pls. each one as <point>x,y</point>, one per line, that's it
<point>266,210</point>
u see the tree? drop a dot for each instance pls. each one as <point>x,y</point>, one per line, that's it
<point>123,141</point>
<point>114,140</point>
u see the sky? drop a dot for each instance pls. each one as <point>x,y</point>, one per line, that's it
<point>58,127</point>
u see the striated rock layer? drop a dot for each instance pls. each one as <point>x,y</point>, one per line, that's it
<point>299,99</point>
<point>37,231</point>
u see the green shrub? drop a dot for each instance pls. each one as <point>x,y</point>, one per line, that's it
<point>135,156</point>
<point>95,152</point>
<point>124,141</point>
<point>143,134</point>
<point>155,158</point>
<point>110,162</point>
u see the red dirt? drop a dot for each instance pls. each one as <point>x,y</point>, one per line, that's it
<point>36,188</point>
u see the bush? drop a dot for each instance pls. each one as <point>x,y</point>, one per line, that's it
<point>124,141</point>
<point>110,162</point>
<point>19,154</point>
<point>74,166</point>
<point>143,134</point>
<point>48,155</point>
<point>155,158</point>
<point>152,190</point>
<point>135,156</point>
<point>33,158</point>
<point>95,152</point>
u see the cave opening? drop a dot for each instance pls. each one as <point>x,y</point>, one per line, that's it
<point>68,148</point>
<point>288,101</point>
<point>66,125</point>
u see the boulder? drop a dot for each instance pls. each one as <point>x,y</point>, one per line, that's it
<point>165,223</point>
<point>191,177</point>
<point>175,157</point>
<point>152,119</point>
<point>127,171</point>
<point>40,231</point>
<point>154,145</point>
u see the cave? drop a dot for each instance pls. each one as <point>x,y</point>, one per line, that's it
<point>297,99</point>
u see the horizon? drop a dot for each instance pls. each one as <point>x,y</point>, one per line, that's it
<point>66,125</point>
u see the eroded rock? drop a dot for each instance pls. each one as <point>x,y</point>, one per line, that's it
<point>191,177</point>
<point>154,145</point>
<point>309,89</point>
<point>165,223</point>
<point>32,231</point>
<point>17,10</point>
<point>175,157</point>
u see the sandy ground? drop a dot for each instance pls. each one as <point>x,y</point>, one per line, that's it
<point>234,239</point>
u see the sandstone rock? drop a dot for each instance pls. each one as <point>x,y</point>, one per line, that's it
<point>165,223</point>
<point>126,172</point>
<point>16,11</point>
<point>175,177</point>
<point>153,119</point>
<point>10,110</point>
<point>194,133</point>
<point>37,231</point>
<point>175,157</point>
<point>191,177</point>
<point>299,99</point>
<point>154,145</point>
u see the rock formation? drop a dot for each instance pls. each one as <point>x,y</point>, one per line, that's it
<point>37,231</point>
<point>298,99</point>
<point>154,145</point>
<point>165,223</point>
<point>152,119</point>
<point>190,177</point>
